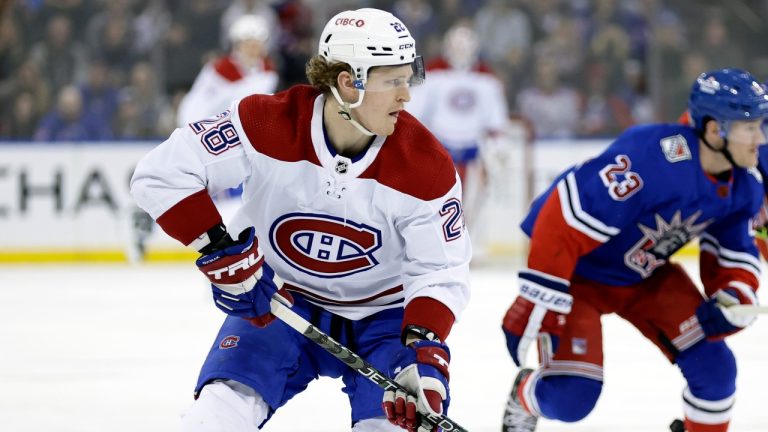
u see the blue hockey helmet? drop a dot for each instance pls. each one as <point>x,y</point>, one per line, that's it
<point>725,95</point>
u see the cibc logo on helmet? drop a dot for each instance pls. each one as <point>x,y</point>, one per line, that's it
<point>350,21</point>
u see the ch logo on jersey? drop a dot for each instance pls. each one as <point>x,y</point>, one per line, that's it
<point>325,246</point>
<point>463,100</point>
<point>229,342</point>
<point>658,244</point>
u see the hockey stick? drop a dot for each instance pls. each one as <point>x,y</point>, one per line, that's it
<point>748,309</point>
<point>282,310</point>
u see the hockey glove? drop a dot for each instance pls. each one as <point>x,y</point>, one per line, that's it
<point>242,283</point>
<point>539,310</point>
<point>715,318</point>
<point>422,368</point>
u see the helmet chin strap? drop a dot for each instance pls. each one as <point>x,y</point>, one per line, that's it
<point>346,110</point>
<point>724,150</point>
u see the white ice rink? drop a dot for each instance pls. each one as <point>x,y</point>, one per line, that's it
<point>97,348</point>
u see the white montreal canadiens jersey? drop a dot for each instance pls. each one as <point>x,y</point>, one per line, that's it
<point>461,107</point>
<point>221,82</point>
<point>355,236</point>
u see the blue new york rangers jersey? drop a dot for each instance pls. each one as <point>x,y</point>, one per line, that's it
<point>618,217</point>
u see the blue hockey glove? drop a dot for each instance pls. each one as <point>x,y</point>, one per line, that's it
<point>242,283</point>
<point>715,318</point>
<point>422,368</point>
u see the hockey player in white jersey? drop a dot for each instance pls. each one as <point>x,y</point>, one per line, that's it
<point>463,104</point>
<point>244,71</point>
<point>351,210</point>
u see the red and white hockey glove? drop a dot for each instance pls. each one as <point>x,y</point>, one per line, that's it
<point>540,309</point>
<point>243,284</point>
<point>717,320</point>
<point>422,368</point>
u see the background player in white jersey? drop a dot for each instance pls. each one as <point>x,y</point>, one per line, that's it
<point>351,209</point>
<point>601,238</point>
<point>244,71</point>
<point>463,104</point>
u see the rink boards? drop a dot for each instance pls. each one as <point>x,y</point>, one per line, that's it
<point>71,201</point>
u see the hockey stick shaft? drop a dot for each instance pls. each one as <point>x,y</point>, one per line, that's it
<point>748,309</point>
<point>354,361</point>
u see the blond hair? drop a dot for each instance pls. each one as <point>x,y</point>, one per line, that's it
<point>322,75</point>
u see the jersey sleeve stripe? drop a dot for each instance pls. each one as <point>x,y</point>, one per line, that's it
<point>576,217</point>
<point>535,273</point>
<point>730,258</point>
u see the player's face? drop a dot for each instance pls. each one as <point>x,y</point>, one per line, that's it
<point>250,49</point>
<point>386,92</point>
<point>744,137</point>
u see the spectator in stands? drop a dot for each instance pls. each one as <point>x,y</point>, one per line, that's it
<point>191,41</point>
<point>297,41</point>
<point>27,79</point>
<point>716,42</point>
<point>603,114</point>
<point>112,39</point>
<point>67,122</point>
<point>99,96</point>
<point>636,95</point>
<point>552,107</point>
<point>23,118</point>
<point>61,59</point>
<point>419,17</point>
<point>141,105</point>
<point>12,49</point>
<point>505,35</point>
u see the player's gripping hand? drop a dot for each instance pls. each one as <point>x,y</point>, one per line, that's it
<point>540,309</point>
<point>422,368</point>
<point>242,283</point>
<point>717,320</point>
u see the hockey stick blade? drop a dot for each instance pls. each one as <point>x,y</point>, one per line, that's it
<point>748,309</point>
<point>282,310</point>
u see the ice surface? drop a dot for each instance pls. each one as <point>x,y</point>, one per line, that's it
<point>95,348</point>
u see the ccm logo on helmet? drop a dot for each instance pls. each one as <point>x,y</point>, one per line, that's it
<point>324,246</point>
<point>350,21</point>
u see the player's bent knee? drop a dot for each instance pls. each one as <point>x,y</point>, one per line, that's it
<point>567,398</point>
<point>710,370</point>
<point>225,406</point>
<point>378,424</point>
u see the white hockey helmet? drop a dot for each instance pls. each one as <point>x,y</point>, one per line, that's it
<point>365,38</point>
<point>249,27</point>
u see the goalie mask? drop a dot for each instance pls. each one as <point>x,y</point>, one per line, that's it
<point>366,38</point>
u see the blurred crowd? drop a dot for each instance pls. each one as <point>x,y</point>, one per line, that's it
<point>79,70</point>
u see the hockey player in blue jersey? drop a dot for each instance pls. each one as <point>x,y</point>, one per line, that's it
<point>601,238</point>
